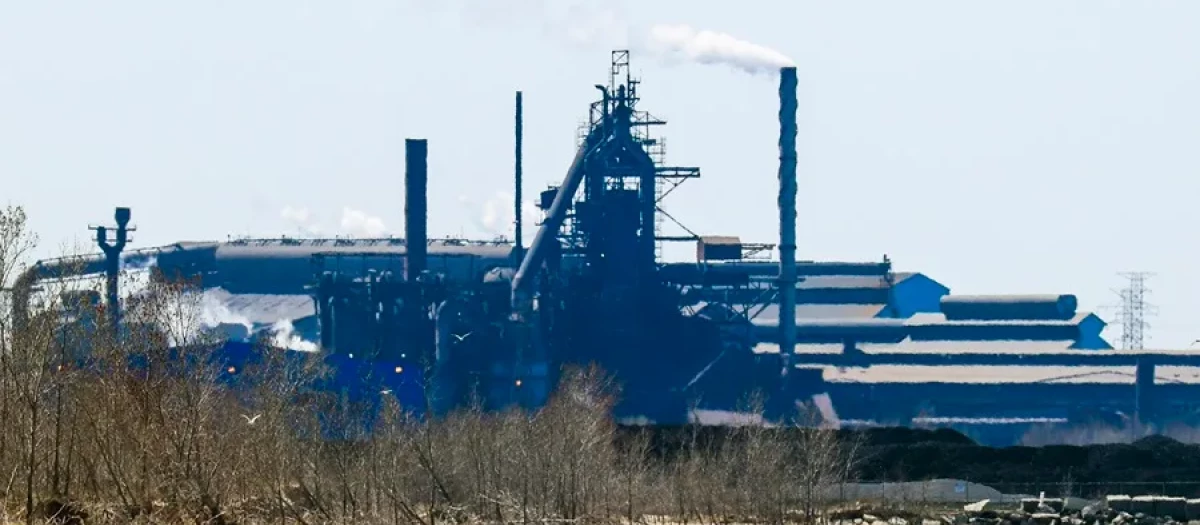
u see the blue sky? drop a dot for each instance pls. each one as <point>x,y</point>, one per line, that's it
<point>1001,147</point>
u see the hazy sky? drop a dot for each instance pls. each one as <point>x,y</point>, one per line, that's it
<point>1002,147</point>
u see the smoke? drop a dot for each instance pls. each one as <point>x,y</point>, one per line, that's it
<point>214,313</point>
<point>135,274</point>
<point>285,336</point>
<point>134,262</point>
<point>605,23</point>
<point>354,223</point>
<point>495,216</point>
<point>679,42</point>
<point>360,224</point>
<point>302,220</point>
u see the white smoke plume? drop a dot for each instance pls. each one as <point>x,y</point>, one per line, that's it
<point>285,336</point>
<point>360,224</point>
<point>679,42</point>
<point>354,223</point>
<point>606,24</point>
<point>135,274</point>
<point>302,220</point>
<point>495,216</point>
<point>214,313</point>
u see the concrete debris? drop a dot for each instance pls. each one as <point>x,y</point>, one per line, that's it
<point>1114,510</point>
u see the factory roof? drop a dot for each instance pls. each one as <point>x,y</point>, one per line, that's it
<point>770,312</point>
<point>927,319</point>
<point>824,282</point>
<point>223,306</point>
<point>989,347</point>
<point>983,375</point>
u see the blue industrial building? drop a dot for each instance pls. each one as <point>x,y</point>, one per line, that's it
<point>870,344</point>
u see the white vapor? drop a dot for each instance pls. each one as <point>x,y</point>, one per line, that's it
<point>359,224</point>
<point>675,42</point>
<point>606,24</point>
<point>135,274</point>
<point>301,220</point>
<point>495,215</point>
<point>214,313</point>
<point>285,337</point>
<point>355,223</point>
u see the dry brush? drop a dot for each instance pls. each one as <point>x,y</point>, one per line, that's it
<point>83,434</point>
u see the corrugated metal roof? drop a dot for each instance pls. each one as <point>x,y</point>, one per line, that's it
<point>971,347</point>
<point>908,346</point>
<point>263,308</point>
<point>824,311</point>
<point>1006,298</point>
<point>924,319</point>
<point>823,282</point>
<point>905,374</point>
<point>817,348</point>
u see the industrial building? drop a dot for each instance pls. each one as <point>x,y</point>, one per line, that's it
<point>499,318</point>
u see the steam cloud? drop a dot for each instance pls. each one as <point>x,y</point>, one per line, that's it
<point>495,215</point>
<point>355,223</point>
<point>588,23</point>
<point>285,337</point>
<point>135,274</point>
<point>214,313</point>
<point>359,224</point>
<point>676,42</point>
<point>301,220</point>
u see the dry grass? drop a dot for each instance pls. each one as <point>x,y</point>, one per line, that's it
<point>114,444</point>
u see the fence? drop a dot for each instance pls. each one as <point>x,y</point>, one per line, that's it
<point>948,491</point>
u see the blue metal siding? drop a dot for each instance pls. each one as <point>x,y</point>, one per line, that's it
<point>917,294</point>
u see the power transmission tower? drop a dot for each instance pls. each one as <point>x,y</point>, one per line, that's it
<point>1133,310</point>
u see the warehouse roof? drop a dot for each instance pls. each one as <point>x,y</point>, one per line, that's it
<point>907,374</point>
<point>770,313</point>
<point>223,306</point>
<point>909,346</point>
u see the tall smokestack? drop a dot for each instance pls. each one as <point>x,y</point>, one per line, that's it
<point>519,245</point>
<point>787,215</point>
<point>415,206</point>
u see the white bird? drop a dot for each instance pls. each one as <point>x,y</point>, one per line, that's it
<point>251,420</point>
<point>461,337</point>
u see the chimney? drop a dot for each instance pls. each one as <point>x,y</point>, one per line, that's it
<point>518,242</point>
<point>787,215</point>
<point>415,206</point>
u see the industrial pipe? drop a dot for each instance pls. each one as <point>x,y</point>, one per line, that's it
<point>23,286</point>
<point>1002,307</point>
<point>445,388</point>
<point>112,263</point>
<point>522,298</point>
<point>415,206</point>
<point>787,213</point>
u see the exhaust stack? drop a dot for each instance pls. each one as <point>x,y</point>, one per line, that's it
<point>415,207</point>
<point>519,245</point>
<point>787,215</point>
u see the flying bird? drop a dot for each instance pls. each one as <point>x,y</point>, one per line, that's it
<point>251,420</point>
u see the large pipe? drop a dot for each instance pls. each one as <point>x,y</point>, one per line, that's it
<point>416,236</point>
<point>445,386</point>
<point>64,268</point>
<point>517,241</point>
<point>787,213</point>
<point>521,283</point>
<point>112,263</point>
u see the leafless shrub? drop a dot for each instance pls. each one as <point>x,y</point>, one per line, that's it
<point>141,426</point>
